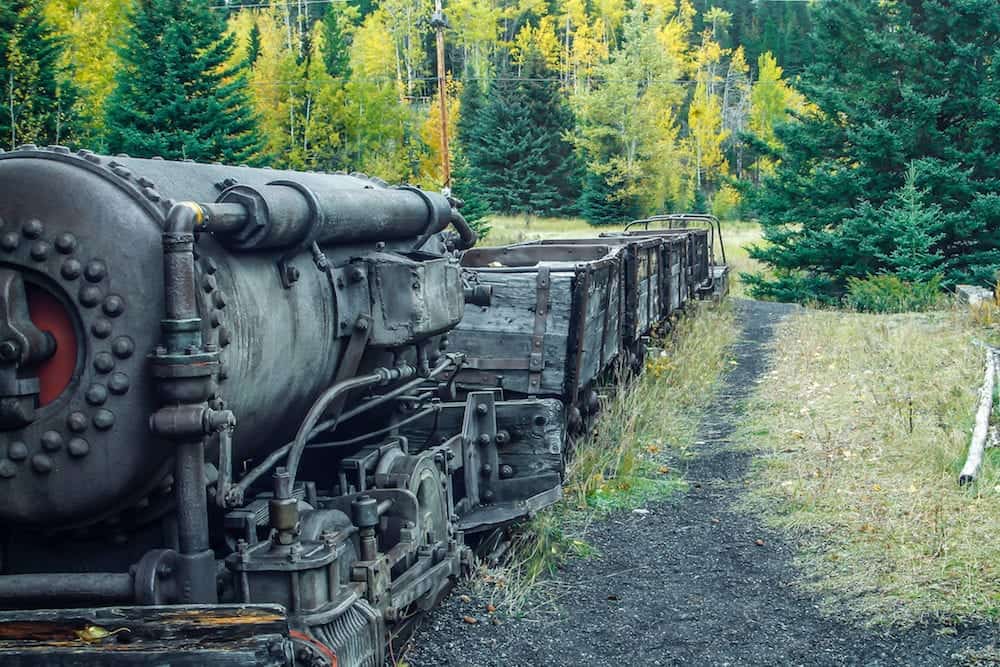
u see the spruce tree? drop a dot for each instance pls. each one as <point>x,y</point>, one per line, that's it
<point>523,162</point>
<point>465,175</point>
<point>175,97</point>
<point>912,225</point>
<point>599,204</point>
<point>336,40</point>
<point>253,47</point>
<point>36,97</point>
<point>919,84</point>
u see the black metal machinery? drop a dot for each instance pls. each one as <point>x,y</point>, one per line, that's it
<point>224,389</point>
<point>257,417</point>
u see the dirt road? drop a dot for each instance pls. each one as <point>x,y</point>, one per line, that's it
<point>691,582</point>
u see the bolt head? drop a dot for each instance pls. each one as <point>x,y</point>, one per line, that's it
<point>8,350</point>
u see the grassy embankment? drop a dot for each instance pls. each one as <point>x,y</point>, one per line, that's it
<point>636,451</point>
<point>861,428</point>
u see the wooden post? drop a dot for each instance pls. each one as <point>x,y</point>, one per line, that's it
<point>981,429</point>
<point>440,23</point>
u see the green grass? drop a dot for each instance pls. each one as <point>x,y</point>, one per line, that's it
<point>737,238</point>
<point>861,429</point>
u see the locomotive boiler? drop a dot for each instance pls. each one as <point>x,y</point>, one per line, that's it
<point>229,426</point>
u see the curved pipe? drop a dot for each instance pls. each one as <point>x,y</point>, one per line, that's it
<point>380,376</point>
<point>241,487</point>
<point>382,431</point>
<point>466,234</point>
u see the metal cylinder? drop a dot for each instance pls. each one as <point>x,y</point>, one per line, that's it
<point>66,588</point>
<point>286,213</point>
<point>192,504</point>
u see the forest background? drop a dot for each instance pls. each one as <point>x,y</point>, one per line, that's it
<point>863,134</point>
<point>608,109</point>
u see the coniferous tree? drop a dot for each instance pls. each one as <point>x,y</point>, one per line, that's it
<point>253,46</point>
<point>337,41</point>
<point>601,205</point>
<point>912,224</point>
<point>174,97</point>
<point>522,161</point>
<point>918,84</point>
<point>36,106</point>
<point>465,174</point>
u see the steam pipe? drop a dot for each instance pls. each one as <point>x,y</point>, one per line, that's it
<point>466,233</point>
<point>272,459</point>
<point>380,376</point>
<point>88,587</point>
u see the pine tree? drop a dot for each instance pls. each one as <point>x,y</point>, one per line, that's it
<point>337,41</point>
<point>174,97</point>
<point>912,225</point>
<point>918,84</point>
<point>464,177</point>
<point>36,96</point>
<point>601,204</point>
<point>524,163</point>
<point>253,46</point>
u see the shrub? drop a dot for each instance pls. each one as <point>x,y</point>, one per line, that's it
<point>888,293</point>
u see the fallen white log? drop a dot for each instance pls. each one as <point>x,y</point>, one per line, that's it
<point>979,433</point>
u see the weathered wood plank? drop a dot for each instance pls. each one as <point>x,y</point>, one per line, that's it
<point>224,635</point>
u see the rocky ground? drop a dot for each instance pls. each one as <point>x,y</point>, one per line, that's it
<point>685,582</point>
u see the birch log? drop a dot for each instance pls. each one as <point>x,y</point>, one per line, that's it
<point>979,433</point>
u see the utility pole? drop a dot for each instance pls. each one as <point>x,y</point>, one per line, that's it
<point>439,23</point>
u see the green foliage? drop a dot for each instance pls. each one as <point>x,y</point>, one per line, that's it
<point>464,183</point>
<point>779,27</point>
<point>175,97</point>
<point>915,85</point>
<point>888,293</point>
<point>913,226</point>
<point>789,286</point>
<point>253,46</point>
<point>599,204</point>
<point>36,97</point>
<point>521,159</point>
<point>337,40</point>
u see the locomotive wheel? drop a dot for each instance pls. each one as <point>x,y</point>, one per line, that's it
<point>419,475</point>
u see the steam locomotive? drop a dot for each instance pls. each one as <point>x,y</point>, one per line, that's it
<point>259,417</point>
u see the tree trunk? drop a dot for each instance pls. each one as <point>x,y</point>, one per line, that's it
<point>981,430</point>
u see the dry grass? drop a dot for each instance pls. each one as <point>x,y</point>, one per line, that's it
<point>863,425</point>
<point>506,229</point>
<point>737,238</point>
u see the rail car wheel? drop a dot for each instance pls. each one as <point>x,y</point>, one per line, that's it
<point>419,475</point>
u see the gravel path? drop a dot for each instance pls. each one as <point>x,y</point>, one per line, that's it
<point>689,583</point>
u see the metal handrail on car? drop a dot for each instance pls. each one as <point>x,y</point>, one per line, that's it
<point>680,220</point>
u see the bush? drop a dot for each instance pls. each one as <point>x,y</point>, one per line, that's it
<point>888,293</point>
<point>726,203</point>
